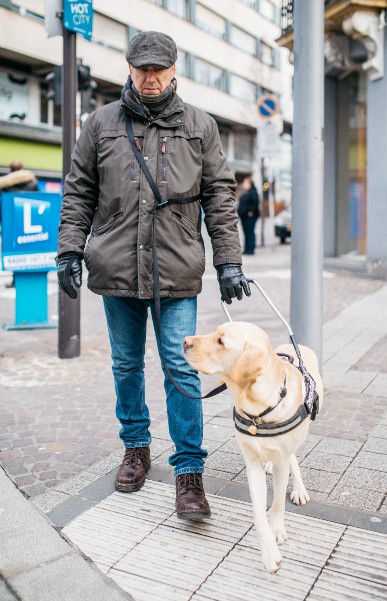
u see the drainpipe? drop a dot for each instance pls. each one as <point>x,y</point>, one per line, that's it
<point>308,175</point>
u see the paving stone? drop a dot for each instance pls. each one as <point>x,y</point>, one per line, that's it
<point>319,480</point>
<point>217,433</point>
<point>49,500</point>
<point>365,478</point>
<point>326,462</point>
<point>378,386</point>
<point>231,446</point>
<point>66,578</point>
<point>331,586</point>
<point>362,554</point>
<point>383,508</point>
<point>74,485</point>
<point>338,446</point>
<point>359,498</point>
<point>376,445</point>
<point>226,462</point>
<point>379,431</point>
<point>5,593</point>
<point>218,473</point>
<point>68,510</point>
<point>375,461</point>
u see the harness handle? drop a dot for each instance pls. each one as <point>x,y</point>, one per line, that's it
<point>281,317</point>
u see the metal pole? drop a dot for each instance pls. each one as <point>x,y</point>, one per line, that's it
<point>69,309</point>
<point>308,166</point>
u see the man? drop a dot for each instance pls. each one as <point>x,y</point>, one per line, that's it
<point>107,191</point>
<point>17,180</point>
<point>248,211</point>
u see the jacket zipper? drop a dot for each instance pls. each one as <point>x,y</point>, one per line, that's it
<point>164,160</point>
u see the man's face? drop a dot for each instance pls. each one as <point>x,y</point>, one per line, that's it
<point>152,80</point>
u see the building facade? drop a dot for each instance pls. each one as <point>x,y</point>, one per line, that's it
<point>227,58</point>
<point>355,182</point>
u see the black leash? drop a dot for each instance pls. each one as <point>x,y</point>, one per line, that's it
<point>156,275</point>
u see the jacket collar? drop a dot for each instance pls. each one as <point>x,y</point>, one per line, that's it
<point>171,116</point>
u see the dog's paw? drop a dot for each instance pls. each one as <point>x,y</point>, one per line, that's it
<point>299,497</point>
<point>279,530</point>
<point>268,467</point>
<point>271,557</point>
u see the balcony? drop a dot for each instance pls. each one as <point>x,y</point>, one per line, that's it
<point>335,12</point>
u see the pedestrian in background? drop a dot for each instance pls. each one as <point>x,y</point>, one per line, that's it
<point>109,193</point>
<point>248,211</point>
<point>17,180</point>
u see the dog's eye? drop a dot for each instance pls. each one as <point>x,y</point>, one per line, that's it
<point>220,342</point>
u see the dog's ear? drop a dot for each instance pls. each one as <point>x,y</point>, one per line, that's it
<point>248,366</point>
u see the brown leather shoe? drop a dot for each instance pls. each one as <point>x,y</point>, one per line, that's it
<point>134,468</point>
<point>191,502</point>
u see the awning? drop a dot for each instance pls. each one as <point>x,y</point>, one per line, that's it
<point>33,155</point>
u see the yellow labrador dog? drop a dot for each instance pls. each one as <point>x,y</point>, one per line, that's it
<point>270,416</point>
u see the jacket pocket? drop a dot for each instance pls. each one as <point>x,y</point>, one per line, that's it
<point>107,224</point>
<point>164,160</point>
<point>186,224</point>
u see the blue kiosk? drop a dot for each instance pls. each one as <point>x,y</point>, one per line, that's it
<point>29,241</point>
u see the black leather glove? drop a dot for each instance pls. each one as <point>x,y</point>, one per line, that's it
<point>232,282</point>
<point>69,266</point>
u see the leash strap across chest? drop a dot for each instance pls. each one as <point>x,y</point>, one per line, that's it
<point>156,275</point>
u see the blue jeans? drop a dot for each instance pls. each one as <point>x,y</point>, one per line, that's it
<point>126,320</point>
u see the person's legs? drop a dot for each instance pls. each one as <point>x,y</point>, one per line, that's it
<point>249,228</point>
<point>245,234</point>
<point>185,415</point>
<point>126,321</point>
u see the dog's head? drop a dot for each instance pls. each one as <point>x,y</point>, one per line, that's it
<point>236,351</point>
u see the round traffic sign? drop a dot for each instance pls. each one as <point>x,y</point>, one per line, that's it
<point>267,106</point>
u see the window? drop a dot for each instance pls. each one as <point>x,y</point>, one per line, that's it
<point>242,88</point>
<point>132,32</point>
<point>109,32</point>
<point>242,40</point>
<point>177,7</point>
<point>250,3</point>
<point>209,21</point>
<point>209,74</point>
<point>267,9</point>
<point>243,147</point>
<point>182,63</point>
<point>266,53</point>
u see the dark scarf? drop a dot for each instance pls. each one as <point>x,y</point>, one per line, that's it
<point>145,105</point>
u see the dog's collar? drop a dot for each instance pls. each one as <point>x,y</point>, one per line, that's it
<point>310,407</point>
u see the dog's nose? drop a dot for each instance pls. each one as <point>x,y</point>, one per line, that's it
<point>188,343</point>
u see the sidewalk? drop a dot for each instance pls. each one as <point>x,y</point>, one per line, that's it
<point>337,543</point>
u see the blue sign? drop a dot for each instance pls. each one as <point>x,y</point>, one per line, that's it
<point>30,230</point>
<point>267,106</point>
<point>78,17</point>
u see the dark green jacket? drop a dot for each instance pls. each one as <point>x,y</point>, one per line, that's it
<point>107,194</point>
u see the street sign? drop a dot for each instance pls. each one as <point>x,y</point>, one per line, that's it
<point>30,230</point>
<point>268,139</point>
<point>267,106</point>
<point>78,17</point>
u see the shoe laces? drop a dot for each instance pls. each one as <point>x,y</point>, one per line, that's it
<point>131,455</point>
<point>190,481</point>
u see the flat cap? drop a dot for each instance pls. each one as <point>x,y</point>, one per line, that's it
<point>151,48</point>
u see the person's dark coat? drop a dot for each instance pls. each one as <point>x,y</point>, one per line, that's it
<point>107,193</point>
<point>22,180</point>
<point>249,204</point>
